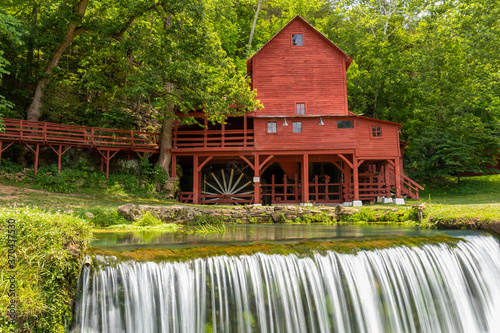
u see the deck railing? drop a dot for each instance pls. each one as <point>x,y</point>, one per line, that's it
<point>38,132</point>
<point>213,139</point>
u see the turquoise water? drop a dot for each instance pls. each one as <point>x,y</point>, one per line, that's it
<point>263,233</point>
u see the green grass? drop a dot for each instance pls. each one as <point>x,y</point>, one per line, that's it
<point>49,249</point>
<point>469,191</point>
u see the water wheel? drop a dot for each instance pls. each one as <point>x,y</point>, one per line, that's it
<point>233,186</point>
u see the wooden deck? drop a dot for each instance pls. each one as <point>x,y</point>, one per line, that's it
<point>106,142</point>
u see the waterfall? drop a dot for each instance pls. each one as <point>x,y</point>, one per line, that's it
<point>433,288</point>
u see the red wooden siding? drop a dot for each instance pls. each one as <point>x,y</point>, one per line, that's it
<point>313,73</point>
<point>380,147</point>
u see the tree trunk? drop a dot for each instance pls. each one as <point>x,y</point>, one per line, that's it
<point>252,31</point>
<point>165,158</point>
<point>34,110</point>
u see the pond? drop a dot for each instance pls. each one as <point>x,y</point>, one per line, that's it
<point>258,233</point>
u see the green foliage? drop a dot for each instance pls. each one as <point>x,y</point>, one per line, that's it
<point>49,251</point>
<point>148,220</point>
<point>382,215</point>
<point>8,166</point>
<point>206,224</point>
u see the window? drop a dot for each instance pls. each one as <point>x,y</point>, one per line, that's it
<point>297,39</point>
<point>297,127</point>
<point>271,127</point>
<point>345,124</point>
<point>376,132</point>
<point>301,108</point>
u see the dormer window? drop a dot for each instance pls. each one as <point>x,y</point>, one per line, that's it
<point>297,39</point>
<point>301,108</point>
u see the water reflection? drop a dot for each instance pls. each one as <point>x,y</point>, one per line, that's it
<point>248,233</point>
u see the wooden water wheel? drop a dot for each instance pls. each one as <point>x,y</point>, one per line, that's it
<point>232,186</point>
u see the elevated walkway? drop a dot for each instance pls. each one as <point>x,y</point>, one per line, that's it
<point>106,142</point>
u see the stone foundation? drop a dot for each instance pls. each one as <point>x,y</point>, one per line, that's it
<point>239,214</point>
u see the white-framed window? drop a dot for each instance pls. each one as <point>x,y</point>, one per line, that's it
<point>297,127</point>
<point>297,39</point>
<point>271,127</point>
<point>301,108</point>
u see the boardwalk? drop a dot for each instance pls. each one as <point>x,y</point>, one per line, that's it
<point>106,142</point>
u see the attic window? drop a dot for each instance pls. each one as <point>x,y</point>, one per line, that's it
<point>297,39</point>
<point>376,132</point>
<point>301,108</point>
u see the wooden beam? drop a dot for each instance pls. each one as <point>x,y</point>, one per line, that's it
<point>59,154</point>
<point>392,163</point>
<point>338,166</point>
<point>346,160</point>
<point>360,162</point>
<point>205,162</point>
<point>247,161</point>
<point>265,161</point>
<point>173,173</point>
<point>3,149</point>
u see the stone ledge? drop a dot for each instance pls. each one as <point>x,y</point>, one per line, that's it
<point>242,214</point>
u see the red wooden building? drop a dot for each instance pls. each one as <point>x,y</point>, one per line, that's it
<point>304,146</point>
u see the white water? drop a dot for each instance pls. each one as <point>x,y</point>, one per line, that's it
<point>435,288</point>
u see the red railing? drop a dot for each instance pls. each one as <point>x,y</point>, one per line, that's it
<point>282,193</point>
<point>410,187</point>
<point>37,132</point>
<point>324,192</point>
<point>213,139</point>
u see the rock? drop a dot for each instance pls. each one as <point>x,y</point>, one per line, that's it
<point>89,215</point>
<point>341,210</point>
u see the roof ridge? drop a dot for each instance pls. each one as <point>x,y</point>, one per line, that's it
<point>348,58</point>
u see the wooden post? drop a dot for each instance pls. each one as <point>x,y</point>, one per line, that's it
<point>196,181</point>
<point>174,166</point>
<point>256,185</point>
<point>36,157</point>
<point>223,134</point>
<point>107,163</point>
<point>245,131</point>
<point>305,178</point>
<point>355,177</point>
<point>205,131</point>
<point>59,157</point>
<point>387,181</point>
<point>398,177</point>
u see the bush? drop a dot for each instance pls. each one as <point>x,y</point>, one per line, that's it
<point>49,250</point>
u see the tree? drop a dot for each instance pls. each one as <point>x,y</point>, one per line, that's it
<point>10,34</point>
<point>180,66</point>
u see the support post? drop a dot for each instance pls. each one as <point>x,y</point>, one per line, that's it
<point>196,181</point>
<point>305,178</point>
<point>256,184</point>
<point>355,176</point>
<point>37,152</point>
<point>173,174</point>
<point>399,199</point>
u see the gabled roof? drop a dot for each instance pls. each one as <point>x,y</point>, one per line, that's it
<point>348,59</point>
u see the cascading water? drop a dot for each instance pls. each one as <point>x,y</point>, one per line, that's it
<point>434,288</point>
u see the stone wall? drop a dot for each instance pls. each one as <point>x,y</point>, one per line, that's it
<point>240,214</point>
